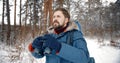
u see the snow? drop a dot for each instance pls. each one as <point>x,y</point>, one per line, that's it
<point>101,53</point>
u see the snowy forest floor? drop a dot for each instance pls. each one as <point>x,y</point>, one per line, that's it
<point>101,53</point>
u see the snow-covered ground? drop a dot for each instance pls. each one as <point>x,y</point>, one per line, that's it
<point>102,54</point>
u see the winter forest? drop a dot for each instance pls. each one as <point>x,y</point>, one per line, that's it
<point>23,20</point>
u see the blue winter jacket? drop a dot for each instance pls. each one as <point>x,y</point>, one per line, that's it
<point>77,53</point>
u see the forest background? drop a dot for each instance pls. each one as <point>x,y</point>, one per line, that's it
<point>23,20</point>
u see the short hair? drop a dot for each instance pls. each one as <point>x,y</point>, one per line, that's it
<point>64,11</point>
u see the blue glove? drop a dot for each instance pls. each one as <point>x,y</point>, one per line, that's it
<point>52,43</point>
<point>37,53</point>
<point>38,42</point>
<point>37,45</point>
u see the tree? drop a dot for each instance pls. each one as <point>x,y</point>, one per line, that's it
<point>14,15</point>
<point>114,20</point>
<point>67,2</point>
<point>117,2</point>
<point>35,11</point>
<point>26,12</point>
<point>20,12</point>
<point>14,21</point>
<point>8,21</point>
<point>3,25</point>
<point>60,2</point>
<point>47,14</point>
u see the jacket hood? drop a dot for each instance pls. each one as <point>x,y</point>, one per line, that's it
<point>72,25</point>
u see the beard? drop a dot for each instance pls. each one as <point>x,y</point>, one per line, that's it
<point>56,25</point>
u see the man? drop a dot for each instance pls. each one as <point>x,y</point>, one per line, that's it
<point>56,41</point>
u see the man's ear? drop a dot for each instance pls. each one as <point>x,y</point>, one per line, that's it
<point>66,20</point>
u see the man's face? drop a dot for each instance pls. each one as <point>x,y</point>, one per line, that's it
<point>59,20</point>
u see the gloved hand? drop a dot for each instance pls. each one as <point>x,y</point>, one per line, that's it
<point>38,42</point>
<point>36,48</point>
<point>38,53</point>
<point>30,48</point>
<point>52,43</point>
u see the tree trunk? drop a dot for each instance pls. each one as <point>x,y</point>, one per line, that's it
<point>20,28</point>
<point>3,30</point>
<point>60,2</point>
<point>14,15</point>
<point>26,13</point>
<point>24,26</point>
<point>14,21</point>
<point>35,19</point>
<point>8,21</point>
<point>41,16</point>
<point>31,19</point>
<point>48,13</point>
<point>20,13</point>
<point>46,8</point>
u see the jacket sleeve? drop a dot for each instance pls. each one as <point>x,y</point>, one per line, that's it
<point>78,53</point>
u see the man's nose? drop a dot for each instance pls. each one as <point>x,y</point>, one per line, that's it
<point>54,19</point>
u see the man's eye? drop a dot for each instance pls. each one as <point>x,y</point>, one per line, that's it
<point>53,16</point>
<point>58,16</point>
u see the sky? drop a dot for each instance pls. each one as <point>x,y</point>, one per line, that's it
<point>17,18</point>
